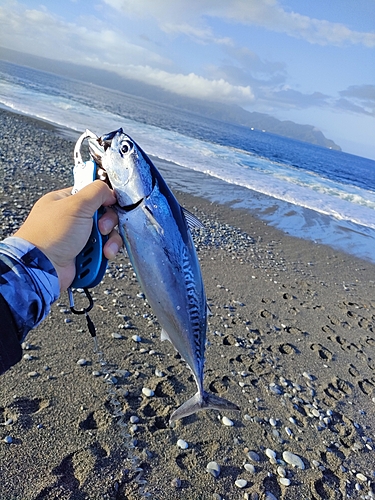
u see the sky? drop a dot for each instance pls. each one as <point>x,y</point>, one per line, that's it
<point>310,61</point>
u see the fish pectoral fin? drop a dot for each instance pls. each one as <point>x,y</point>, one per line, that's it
<point>152,219</point>
<point>202,401</point>
<point>164,336</point>
<point>191,220</point>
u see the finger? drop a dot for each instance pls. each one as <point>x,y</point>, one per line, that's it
<point>112,245</point>
<point>108,221</point>
<point>94,195</point>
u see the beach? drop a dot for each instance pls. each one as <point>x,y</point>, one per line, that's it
<point>291,341</point>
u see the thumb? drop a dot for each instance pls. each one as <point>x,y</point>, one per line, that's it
<point>93,196</point>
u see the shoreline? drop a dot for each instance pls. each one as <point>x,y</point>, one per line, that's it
<point>291,341</point>
<point>295,220</point>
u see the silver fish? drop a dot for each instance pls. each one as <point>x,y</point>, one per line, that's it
<point>155,231</point>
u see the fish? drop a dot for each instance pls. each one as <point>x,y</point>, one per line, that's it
<point>156,232</point>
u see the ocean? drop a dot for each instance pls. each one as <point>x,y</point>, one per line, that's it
<point>307,191</point>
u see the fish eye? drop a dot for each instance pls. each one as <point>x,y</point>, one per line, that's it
<point>125,148</point>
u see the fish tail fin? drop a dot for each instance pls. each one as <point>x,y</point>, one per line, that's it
<point>202,401</point>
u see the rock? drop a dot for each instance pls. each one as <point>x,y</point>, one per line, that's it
<point>213,468</point>
<point>182,444</point>
<point>249,468</point>
<point>284,481</point>
<point>294,460</point>
<point>241,483</point>
<point>253,456</point>
<point>147,392</point>
<point>270,454</point>
<point>226,421</point>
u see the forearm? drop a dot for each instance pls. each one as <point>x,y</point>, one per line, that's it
<point>28,285</point>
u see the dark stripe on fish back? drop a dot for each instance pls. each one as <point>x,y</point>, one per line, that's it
<point>193,302</point>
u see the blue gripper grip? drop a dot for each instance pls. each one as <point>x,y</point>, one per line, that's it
<point>91,263</point>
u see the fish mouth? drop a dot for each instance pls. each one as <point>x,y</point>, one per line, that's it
<point>98,146</point>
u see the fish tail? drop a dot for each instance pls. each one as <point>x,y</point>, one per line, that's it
<point>202,401</point>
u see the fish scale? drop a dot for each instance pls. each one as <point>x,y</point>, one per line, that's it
<point>156,234</point>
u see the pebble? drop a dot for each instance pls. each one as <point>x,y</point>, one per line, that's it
<point>116,335</point>
<point>273,422</point>
<point>270,496</point>
<point>213,468</point>
<point>292,459</point>
<point>270,453</point>
<point>134,419</point>
<point>176,483</point>
<point>308,376</point>
<point>159,373</point>
<point>136,338</point>
<point>249,468</point>
<point>281,471</point>
<point>148,392</point>
<point>82,362</point>
<point>95,373</point>
<point>253,456</point>
<point>8,439</point>
<point>361,476</point>
<point>33,374</point>
<point>284,481</point>
<point>27,357</point>
<point>226,421</point>
<point>182,444</point>
<point>241,483</point>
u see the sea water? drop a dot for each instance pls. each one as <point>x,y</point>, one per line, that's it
<point>307,191</point>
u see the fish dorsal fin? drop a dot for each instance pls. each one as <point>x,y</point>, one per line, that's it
<point>191,220</point>
<point>164,336</point>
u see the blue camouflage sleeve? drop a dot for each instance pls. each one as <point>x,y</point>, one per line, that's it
<point>28,283</point>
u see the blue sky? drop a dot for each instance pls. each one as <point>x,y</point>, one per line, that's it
<point>308,61</point>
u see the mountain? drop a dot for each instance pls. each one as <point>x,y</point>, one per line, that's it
<point>224,112</point>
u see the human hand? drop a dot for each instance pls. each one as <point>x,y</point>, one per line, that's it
<point>60,224</point>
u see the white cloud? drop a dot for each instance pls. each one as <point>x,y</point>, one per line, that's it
<point>204,34</point>
<point>40,33</point>
<point>266,13</point>
<point>190,85</point>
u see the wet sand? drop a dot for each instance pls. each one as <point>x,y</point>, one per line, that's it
<point>290,341</point>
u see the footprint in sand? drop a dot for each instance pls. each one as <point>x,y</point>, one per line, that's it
<point>328,487</point>
<point>337,389</point>
<point>265,314</point>
<point>353,371</point>
<point>366,386</point>
<point>327,329</point>
<point>23,410</point>
<point>322,351</point>
<point>288,349</point>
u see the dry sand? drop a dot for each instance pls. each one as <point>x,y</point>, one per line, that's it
<point>291,339</point>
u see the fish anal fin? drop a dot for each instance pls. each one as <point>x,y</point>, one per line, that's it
<point>164,336</point>
<point>209,312</point>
